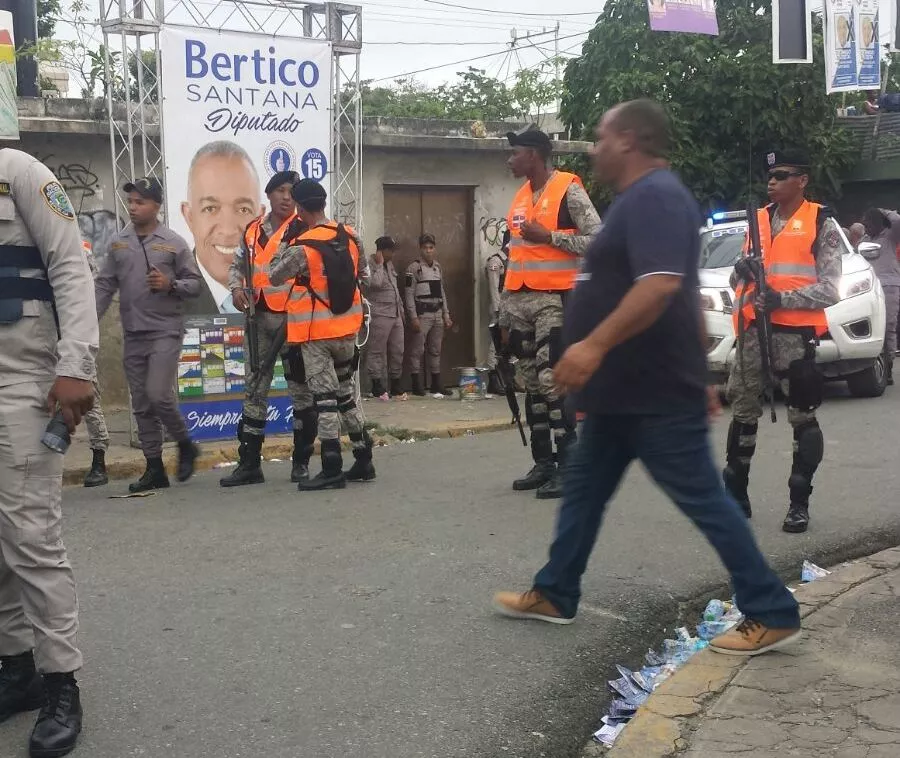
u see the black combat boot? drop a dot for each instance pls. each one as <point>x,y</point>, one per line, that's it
<point>436,388</point>
<point>59,722</point>
<point>417,388</point>
<point>301,456</point>
<point>809,447</point>
<point>331,477</point>
<point>249,468</point>
<point>362,469</point>
<point>494,386</point>
<point>378,388</point>
<point>544,466</point>
<point>21,686</point>
<point>553,489</point>
<point>741,446</point>
<point>153,478</point>
<point>188,453</point>
<point>97,476</point>
<point>397,388</point>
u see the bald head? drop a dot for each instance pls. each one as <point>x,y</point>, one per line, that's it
<point>647,122</point>
<point>855,234</point>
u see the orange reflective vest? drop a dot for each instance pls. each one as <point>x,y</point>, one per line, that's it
<point>533,265</point>
<point>790,265</point>
<point>308,315</point>
<point>261,257</point>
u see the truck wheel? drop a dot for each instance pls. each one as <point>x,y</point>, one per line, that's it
<point>869,383</point>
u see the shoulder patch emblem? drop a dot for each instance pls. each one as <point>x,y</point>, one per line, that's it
<point>832,239</point>
<point>55,197</point>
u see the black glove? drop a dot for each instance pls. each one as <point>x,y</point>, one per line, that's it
<point>743,269</point>
<point>771,302</point>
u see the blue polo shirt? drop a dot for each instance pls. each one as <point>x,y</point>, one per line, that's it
<point>650,228</point>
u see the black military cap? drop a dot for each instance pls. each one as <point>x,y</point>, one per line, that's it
<point>426,239</point>
<point>147,187</point>
<point>385,243</point>
<point>530,136</point>
<point>792,157</point>
<point>282,177</point>
<point>308,189</point>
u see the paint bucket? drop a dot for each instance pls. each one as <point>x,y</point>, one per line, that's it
<point>470,385</point>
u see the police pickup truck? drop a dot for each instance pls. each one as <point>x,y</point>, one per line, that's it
<point>851,349</point>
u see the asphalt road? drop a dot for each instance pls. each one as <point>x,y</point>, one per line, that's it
<point>264,623</point>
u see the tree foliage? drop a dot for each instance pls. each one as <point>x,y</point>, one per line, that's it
<point>729,104</point>
<point>472,96</point>
<point>47,14</point>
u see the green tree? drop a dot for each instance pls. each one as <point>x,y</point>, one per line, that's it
<point>47,15</point>
<point>728,102</point>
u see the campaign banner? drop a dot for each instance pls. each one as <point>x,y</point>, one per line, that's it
<point>697,16</point>
<point>237,108</point>
<point>852,45</point>
<point>9,112</point>
<point>218,419</point>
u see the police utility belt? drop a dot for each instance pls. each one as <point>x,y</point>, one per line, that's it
<point>429,307</point>
<point>15,289</point>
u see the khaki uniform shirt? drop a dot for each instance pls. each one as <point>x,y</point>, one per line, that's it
<point>35,212</point>
<point>383,293</point>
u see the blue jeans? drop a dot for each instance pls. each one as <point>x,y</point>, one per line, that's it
<point>675,451</point>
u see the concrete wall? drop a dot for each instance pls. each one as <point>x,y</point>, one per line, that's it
<point>72,138</point>
<point>493,188</point>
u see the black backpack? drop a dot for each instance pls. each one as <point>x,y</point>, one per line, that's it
<point>340,271</point>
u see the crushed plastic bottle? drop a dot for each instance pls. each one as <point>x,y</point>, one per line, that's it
<point>811,572</point>
<point>715,609</point>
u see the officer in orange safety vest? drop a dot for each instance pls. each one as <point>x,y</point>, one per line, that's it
<point>551,222</point>
<point>262,238</point>
<point>801,250</point>
<point>326,268</point>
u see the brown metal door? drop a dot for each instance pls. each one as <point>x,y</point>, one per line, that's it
<point>447,214</point>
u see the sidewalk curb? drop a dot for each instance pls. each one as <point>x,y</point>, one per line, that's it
<point>280,446</point>
<point>663,724</point>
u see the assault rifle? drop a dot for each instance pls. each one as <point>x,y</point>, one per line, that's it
<point>763,318</point>
<point>250,328</point>
<point>507,378</point>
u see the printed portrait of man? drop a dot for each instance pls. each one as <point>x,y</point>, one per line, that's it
<point>223,196</point>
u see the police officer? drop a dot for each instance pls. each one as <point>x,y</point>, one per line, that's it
<point>155,272</point>
<point>94,420</point>
<point>801,251</point>
<point>325,313</point>
<point>495,271</point>
<point>551,222</point>
<point>386,334</point>
<point>882,227</point>
<point>262,238</point>
<point>48,347</point>
<point>429,315</point>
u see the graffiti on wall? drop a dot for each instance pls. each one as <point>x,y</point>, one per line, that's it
<point>492,230</point>
<point>81,184</point>
<point>99,228</point>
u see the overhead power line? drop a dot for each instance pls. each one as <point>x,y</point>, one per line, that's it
<point>512,13</point>
<point>461,62</point>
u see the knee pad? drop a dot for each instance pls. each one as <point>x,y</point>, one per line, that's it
<point>346,403</point>
<point>251,427</point>
<point>809,447</point>
<point>540,412</point>
<point>741,442</point>
<point>517,342</point>
<point>529,410</point>
<point>805,385</point>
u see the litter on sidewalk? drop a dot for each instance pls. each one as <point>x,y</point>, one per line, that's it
<point>811,572</point>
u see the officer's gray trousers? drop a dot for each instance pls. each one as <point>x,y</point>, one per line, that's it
<point>38,605</point>
<point>386,342</point>
<point>151,367</point>
<point>429,338</point>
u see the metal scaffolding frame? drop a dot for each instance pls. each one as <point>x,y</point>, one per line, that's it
<point>131,61</point>
<point>134,83</point>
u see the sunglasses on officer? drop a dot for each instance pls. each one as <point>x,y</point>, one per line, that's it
<point>781,174</point>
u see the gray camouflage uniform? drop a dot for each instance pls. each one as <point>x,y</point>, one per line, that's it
<point>746,381</point>
<point>536,316</point>
<point>38,606</point>
<point>271,327</point>
<point>94,420</point>
<point>328,363</point>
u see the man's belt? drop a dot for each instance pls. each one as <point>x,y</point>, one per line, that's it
<point>428,307</point>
